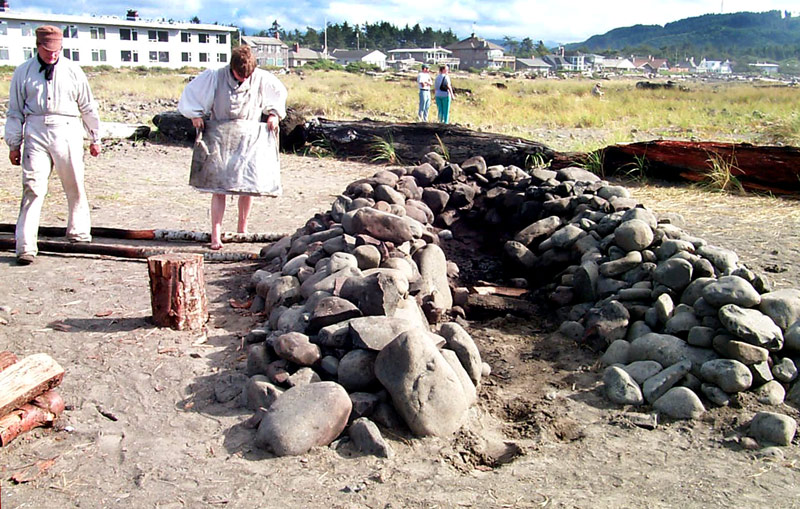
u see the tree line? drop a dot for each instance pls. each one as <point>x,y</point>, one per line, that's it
<point>380,35</point>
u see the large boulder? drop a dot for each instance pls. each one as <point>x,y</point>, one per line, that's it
<point>303,417</point>
<point>425,390</point>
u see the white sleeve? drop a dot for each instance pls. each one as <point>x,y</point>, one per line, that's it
<point>274,96</point>
<point>87,106</point>
<point>15,117</point>
<point>198,96</point>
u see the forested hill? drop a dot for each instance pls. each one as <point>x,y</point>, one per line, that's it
<point>766,35</point>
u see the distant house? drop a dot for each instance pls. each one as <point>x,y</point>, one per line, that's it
<point>765,68</point>
<point>687,66</point>
<point>651,65</point>
<point>618,65</point>
<point>594,62</point>
<point>367,56</point>
<point>479,53</point>
<point>534,66</point>
<point>299,57</point>
<point>559,63</point>
<point>577,62</point>
<point>268,50</point>
<point>714,66</point>
<point>436,55</point>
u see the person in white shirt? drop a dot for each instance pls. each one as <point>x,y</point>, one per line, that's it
<point>50,105</point>
<point>235,153</point>
<point>424,82</point>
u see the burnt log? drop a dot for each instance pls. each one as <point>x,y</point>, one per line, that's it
<point>762,168</point>
<point>650,85</point>
<point>174,126</point>
<point>411,141</point>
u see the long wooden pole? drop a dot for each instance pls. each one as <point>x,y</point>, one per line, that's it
<point>51,246</point>
<point>157,234</point>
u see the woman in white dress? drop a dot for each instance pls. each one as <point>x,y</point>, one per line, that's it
<point>235,153</point>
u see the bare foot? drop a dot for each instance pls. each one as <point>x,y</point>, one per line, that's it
<point>216,245</point>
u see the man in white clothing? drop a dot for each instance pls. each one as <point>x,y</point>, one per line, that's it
<point>424,81</point>
<point>50,104</point>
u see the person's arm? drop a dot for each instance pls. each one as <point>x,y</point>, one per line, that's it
<point>88,108</point>
<point>274,95</point>
<point>198,97</point>
<point>15,118</point>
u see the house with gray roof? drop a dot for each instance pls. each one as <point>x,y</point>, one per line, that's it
<point>268,50</point>
<point>479,53</point>
<point>367,56</point>
<point>534,66</point>
<point>299,57</point>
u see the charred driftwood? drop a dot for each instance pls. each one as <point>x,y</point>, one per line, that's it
<point>764,168</point>
<point>411,141</point>
<point>157,234</point>
<point>174,126</point>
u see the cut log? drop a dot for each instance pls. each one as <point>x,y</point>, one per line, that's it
<point>411,141</point>
<point>764,168</point>
<point>25,380</point>
<point>42,411</point>
<point>178,291</point>
<point>7,359</point>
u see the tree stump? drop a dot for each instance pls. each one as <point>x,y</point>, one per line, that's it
<point>178,290</point>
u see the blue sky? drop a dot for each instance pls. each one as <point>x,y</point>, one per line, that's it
<point>561,22</point>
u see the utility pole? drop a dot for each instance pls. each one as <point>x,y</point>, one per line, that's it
<point>325,49</point>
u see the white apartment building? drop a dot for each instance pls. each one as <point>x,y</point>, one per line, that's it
<point>108,40</point>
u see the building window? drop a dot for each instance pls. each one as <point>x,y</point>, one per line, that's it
<point>128,34</point>
<point>27,53</point>
<point>70,32</point>
<point>4,30</point>
<point>222,57</point>
<point>163,56</point>
<point>97,32</point>
<point>129,56</point>
<point>72,54</point>
<point>3,53</point>
<point>154,56</point>
<point>186,37</point>
<point>202,38</point>
<point>222,38</point>
<point>186,56</point>
<point>203,57</point>
<point>158,35</point>
<point>26,29</point>
<point>98,55</point>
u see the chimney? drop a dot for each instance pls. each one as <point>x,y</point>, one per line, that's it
<point>296,47</point>
<point>132,15</point>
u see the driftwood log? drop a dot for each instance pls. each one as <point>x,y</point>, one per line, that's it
<point>762,168</point>
<point>411,141</point>
<point>178,291</point>
<point>52,246</point>
<point>24,380</point>
<point>174,126</point>
<point>156,234</point>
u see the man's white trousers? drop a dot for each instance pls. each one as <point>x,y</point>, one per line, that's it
<point>52,142</point>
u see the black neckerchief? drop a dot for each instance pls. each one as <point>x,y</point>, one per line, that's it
<point>234,78</point>
<point>47,68</point>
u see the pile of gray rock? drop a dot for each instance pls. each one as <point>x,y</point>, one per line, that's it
<point>364,325</point>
